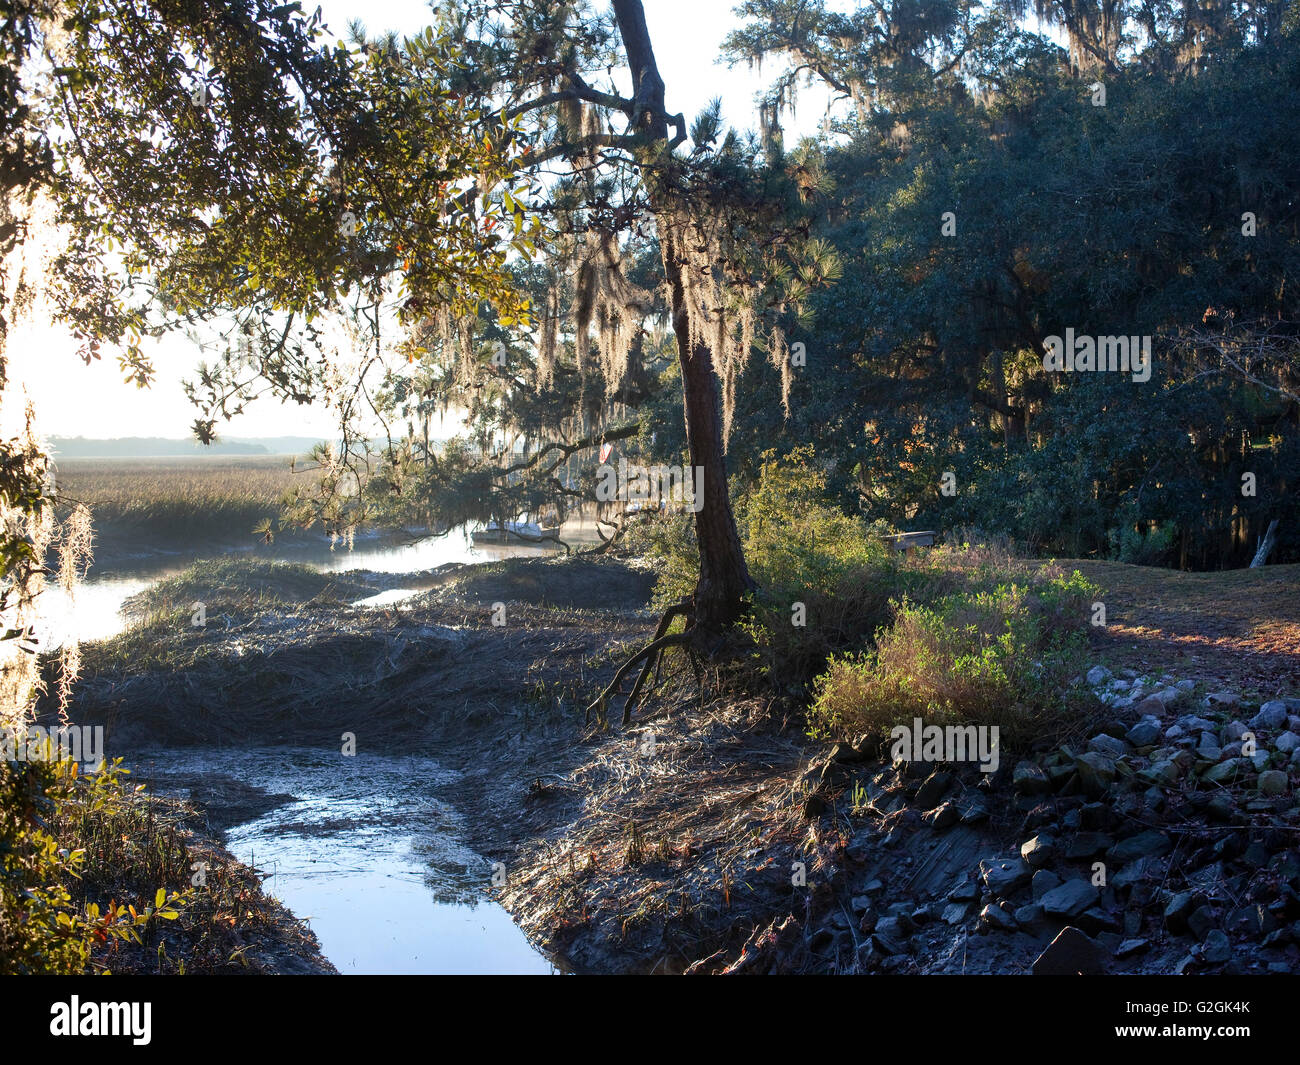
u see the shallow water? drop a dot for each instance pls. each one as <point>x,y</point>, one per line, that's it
<point>366,856</point>
<point>95,612</point>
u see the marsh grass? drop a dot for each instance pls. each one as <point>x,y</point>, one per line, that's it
<point>181,499</point>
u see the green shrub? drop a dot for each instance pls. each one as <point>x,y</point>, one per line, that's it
<point>48,810</point>
<point>1000,657</point>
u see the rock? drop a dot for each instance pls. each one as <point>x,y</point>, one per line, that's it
<point>888,944</point>
<point>1233,731</point>
<point>1096,772</point>
<point>930,792</point>
<point>1088,845</point>
<point>1152,704</point>
<point>1070,953</point>
<point>1186,686</point>
<point>995,918</point>
<point>1132,946</point>
<point>1044,881</point>
<point>1272,782</point>
<point>964,891</point>
<point>1150,844</point>
<point>1287,742</point>
<point>1216,949</point>
<point>1193,723</point>
<point>1221,701</point>
<point>1097,676</point>
<point>873,887</point>
<point>1028,778</point>
<point>1272,715</point>
<point>1097,921</point>
<point>1038,851</point>
<point>973,809</point>
<point>1223,772</point>
<point>1200,921</point>
<point>1177,910</point>
<point>1108,745</point>
<point>1136,872</point>
<point>1163,773</point>
<point>1029,914</point>
<point>942,816</point>
<point>1070,899</point>
<point>1004,876</point>
<point>955,912</point>
<point>1144,733</point>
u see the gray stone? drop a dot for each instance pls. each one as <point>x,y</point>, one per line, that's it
<point>1216,949</point>
<point>1272,782</point>
<point>1096,772</point>
<point>1200,921</point>
<point>934,788</point>
<point>1272,715</point>
<point>1097,676</point>
<point>1193,723</point>
<point>1144,733</point>
<point>1070,953</point>
<point>1132,946</point>
<point>1233,731</point>
<point>1028,778</point>
<point>1044,881</point>
<point>1150,844</point>
<point>1038,851</point>
<point>1223,772</point>
<point>1177,910</point>
<point>1004,876</point>
<point>955,912</point>
<point>995,918</point>
<point>1029,914</point>
<point>1070,899</point>
<point>1287,742</point>
<point>1108,745</point>
<point>1088,845</point>
<point>1222,700</point>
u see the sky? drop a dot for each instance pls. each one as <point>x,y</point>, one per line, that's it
<point>73,399</point>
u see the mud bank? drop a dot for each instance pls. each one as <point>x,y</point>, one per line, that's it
<point>711,836</point>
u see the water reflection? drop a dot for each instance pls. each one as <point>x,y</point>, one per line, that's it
<point>363,853</point>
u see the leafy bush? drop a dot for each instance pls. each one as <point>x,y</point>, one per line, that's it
<point>1001,656</point>
<point>47,808</point>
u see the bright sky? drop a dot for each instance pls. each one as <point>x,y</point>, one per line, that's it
<point>73,399</point>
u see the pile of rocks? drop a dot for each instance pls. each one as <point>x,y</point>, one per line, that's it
<point>1168,842</point>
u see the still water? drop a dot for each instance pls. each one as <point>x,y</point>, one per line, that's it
<point>360,851</point>
<point>359,848</point>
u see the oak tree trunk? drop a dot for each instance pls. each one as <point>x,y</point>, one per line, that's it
<point>724,577</point>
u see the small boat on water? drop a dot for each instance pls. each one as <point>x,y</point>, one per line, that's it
<point>513,532</point>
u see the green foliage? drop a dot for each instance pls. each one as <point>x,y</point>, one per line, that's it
<point>1002,656</point>
<point>54,826</point>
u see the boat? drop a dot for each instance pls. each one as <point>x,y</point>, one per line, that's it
<point>513,532</point>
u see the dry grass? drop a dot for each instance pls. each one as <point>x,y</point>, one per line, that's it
<point>1238,628</point>
<point>181,497</point>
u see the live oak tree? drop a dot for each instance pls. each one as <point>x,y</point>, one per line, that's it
<point>727,218</point>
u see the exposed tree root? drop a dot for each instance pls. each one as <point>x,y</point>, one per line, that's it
<point>651,655</point>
